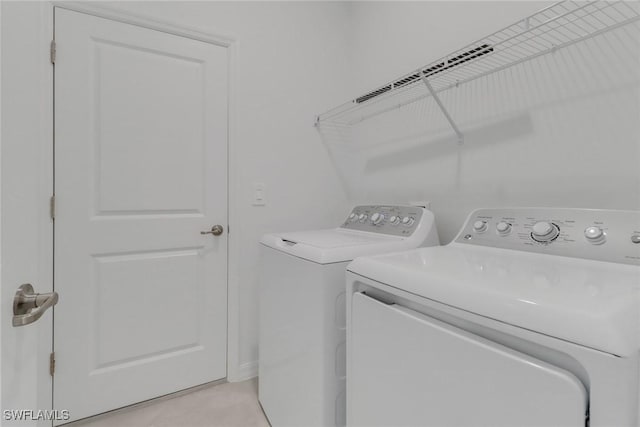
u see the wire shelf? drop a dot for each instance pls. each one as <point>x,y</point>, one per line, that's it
<point>548,30</point>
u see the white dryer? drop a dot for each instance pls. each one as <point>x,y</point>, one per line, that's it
<point>302,355</point>
<point>530,317</point>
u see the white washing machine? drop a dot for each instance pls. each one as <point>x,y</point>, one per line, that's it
<point>302,360</point>
<point>530,317</point>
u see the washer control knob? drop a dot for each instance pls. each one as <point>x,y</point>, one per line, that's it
<point>362,217</point>
<point>503,228</point>
<point>394,220</point>
<point>544,232</point>
<point>407,221</point>
<point>377,218</point>
<point>595,235</point>
<point>480,226</point>
<point>635,238</point>
<point>353,217</point>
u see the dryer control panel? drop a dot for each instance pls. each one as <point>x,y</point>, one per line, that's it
<point>603,235</point>
<point>392,220</point>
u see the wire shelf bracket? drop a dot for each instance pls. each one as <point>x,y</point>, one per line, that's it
<point>436,98</point>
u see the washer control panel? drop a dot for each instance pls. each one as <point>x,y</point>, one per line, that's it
<point>603,235</point>
<point>393,220</point>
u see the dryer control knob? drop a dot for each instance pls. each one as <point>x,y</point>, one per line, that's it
<point>503,228</point>
<point>480,226</point>
<point>394,220</point>
<point>544,232</point>
<point>595,235</point>
<point>362,217</point>
<point>407,221</point>
<point>377,218</point>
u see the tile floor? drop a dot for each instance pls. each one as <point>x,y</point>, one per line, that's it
<point>222,405</point>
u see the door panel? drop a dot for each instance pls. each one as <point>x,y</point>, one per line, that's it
<point>153,83</point>
<point>167,283</point>
<point>407,369</point>
<point>140,170</point>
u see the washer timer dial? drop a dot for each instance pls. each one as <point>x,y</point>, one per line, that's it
<point>544,232</point>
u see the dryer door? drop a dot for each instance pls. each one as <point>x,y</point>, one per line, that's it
<point>407,369</point>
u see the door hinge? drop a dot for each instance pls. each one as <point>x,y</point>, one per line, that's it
<point>52,363</point>
<point>52,52</point>
<point>52,207</point>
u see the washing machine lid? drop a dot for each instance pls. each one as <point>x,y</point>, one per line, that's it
<point>333,245</point>
<point>591,303</point>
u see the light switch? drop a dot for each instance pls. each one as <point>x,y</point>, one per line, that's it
<point>259,194</point>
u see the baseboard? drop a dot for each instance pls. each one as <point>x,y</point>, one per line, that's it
<point>243,372</point>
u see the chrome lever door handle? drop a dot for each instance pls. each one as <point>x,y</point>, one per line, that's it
<point>216,230</point>
<point>29,306</point>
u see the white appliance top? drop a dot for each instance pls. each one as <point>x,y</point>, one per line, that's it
<point>571,282</point>
<point>368,230</point>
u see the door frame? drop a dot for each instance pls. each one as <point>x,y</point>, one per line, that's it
<point>27,184</point>
<point>41,164</point>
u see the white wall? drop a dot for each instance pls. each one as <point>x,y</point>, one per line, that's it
<point>561,130</point>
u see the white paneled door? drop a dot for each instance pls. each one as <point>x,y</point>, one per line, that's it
<point>140,171</point>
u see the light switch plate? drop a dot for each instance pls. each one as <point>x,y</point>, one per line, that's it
<point>259,197</point>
